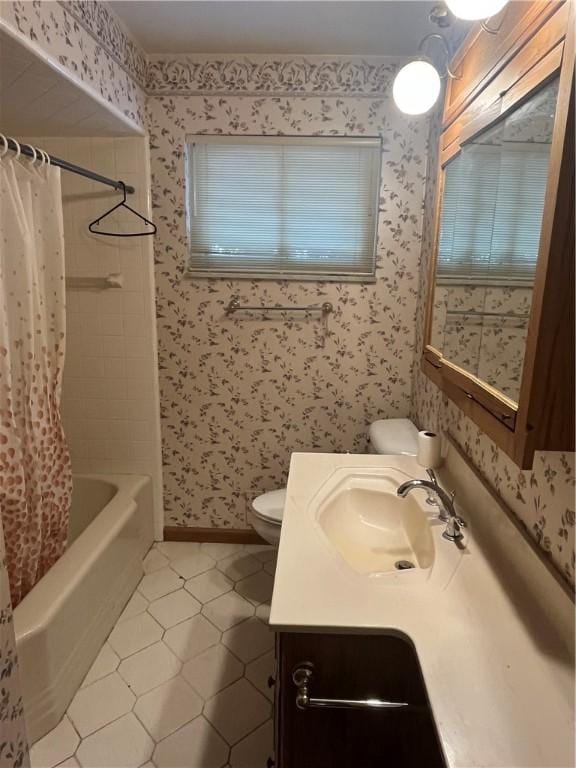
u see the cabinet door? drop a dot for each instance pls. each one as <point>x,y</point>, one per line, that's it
<point>354,667</point>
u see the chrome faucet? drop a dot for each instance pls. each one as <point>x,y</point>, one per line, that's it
<point>454,522</point>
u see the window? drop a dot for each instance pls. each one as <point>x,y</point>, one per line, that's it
<point>492,214</point>
<point>278,207</point>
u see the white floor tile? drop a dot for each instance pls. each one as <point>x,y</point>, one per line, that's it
<point>56,746</point>
<point>218,551</point>
<point>105,663</point>
<point>263,612</point>
<point>260,671</point>
<point>160,583</point>
<point>149,668</point>
<point>207,586</point>
<point>212,670</point>
<point>135,606</point>
<point>175,549</point>
<point>154,560</point>
<point>134,634</point>
<point>140,669</point>
<point>100,703</point>
<point>256,588</point>
<point>249,640</point>
<point>168,707</point>
<point>123,743</point>
<point>191,637</point>
<point>237,710</point>
<point>227,610</point>
<point>174,608</point>
<point>264,552</point>
<point>196,745</point>
<point>255,749</point>
<point>270,567</point>
<point>192,565</point>
<point>239,565</point>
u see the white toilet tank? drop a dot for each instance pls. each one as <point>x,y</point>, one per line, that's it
<point>393,436</point>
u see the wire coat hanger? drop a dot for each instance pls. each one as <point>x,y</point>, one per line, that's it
<point>93,226</point>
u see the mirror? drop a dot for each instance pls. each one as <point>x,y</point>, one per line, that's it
<point>491,216</point>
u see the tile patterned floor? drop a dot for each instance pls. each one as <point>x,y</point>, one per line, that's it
<point>182,680</point>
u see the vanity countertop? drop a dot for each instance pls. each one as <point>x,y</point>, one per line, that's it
<point>493,639</point>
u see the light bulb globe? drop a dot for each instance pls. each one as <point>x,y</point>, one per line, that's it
<point>475,10</point>
<point>416,88</point>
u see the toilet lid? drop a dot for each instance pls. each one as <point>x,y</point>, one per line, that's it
<point>270,505</point>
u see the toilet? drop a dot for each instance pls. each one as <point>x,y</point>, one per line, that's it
<point>387,437</point>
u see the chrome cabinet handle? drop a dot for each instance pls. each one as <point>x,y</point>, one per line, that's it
<point>302,677</point>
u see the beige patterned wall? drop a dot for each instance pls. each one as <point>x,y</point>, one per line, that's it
<point>238,396</point>
<point>542,499</point>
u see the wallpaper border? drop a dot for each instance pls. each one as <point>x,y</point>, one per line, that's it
<point>265,75</point>
<point>104,26</point>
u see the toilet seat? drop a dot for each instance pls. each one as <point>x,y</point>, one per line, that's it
<point>270,506</point>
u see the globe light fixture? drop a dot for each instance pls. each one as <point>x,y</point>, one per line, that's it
<point>416,87</point>
<point>475,10</point>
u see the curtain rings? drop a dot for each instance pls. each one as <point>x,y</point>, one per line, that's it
<point>6,147</point>
<point>17,147</point>
<point>34,154</point>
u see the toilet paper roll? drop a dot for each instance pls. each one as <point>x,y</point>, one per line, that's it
<point>429,450</point>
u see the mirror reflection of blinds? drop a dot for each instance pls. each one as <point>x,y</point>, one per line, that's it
<point>278,205</point>
<point>492,213</point>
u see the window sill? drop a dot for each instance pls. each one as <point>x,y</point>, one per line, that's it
<point>276,277</point>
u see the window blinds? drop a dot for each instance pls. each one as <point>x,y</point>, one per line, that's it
<point>492,213</point>
<point>282,206</point>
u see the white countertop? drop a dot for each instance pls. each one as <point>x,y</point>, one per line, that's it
<point>497,663</point>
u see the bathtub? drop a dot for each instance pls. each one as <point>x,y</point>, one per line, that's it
<point>63,622</point>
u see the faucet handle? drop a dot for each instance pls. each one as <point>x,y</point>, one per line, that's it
<point>460,521</point>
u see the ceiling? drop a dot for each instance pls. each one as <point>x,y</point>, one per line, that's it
<point>36,100</point>
<point>390,28</point>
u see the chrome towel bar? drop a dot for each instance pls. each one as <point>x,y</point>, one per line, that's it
<point>234,306</point>
<point>113,280</point>
<point>302,677</point>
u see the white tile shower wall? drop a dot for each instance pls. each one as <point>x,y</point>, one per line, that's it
<point>110,401</point>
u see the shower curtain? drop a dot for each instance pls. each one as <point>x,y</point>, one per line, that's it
<point>35,472</point>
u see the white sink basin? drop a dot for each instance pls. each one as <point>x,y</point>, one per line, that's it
<point>371,528</point>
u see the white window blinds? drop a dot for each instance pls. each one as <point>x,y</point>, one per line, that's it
<point>279,206</point>
<point>492,213</point>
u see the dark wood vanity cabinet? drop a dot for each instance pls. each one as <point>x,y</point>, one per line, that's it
<point>358,667</point>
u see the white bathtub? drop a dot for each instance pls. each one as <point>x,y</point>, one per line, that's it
<point>63,622</point>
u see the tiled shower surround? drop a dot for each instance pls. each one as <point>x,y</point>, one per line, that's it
<point>184,678</point>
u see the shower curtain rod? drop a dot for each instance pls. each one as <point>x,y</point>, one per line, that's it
<point>25,149</point>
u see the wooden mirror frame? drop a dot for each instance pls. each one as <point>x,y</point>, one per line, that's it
<point>535,44</point>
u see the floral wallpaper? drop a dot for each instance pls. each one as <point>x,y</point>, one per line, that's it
<point>98,19</point>
<point>259,75</point>
<point>13,741</point>
<point>55,28</point>
<point>543,498</point>
<point>238,395</point>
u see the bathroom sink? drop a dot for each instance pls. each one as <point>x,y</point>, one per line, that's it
<point>371,528</point>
